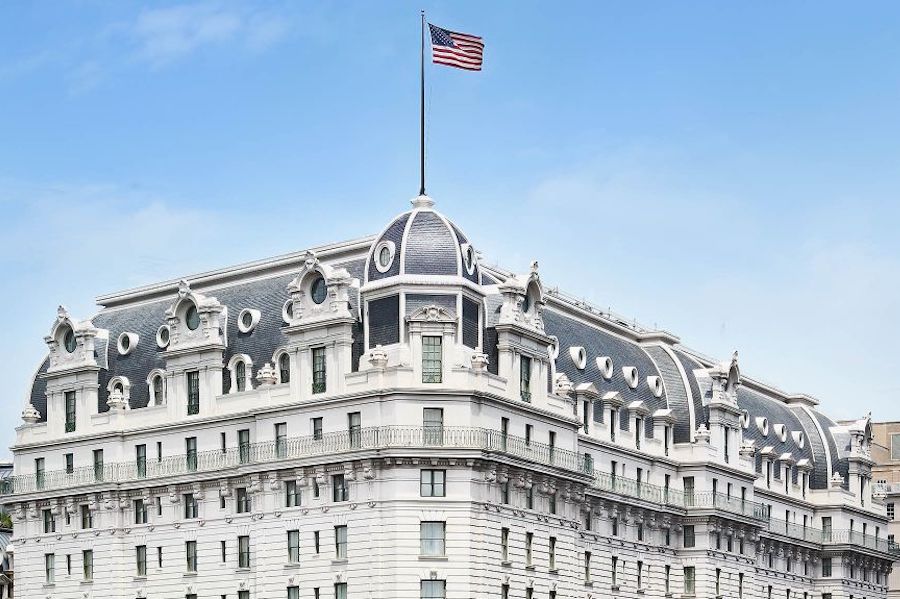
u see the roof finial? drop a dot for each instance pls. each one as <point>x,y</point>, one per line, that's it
<point>422,201</point>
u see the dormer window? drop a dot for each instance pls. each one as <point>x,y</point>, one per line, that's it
<point>526,303</point>
<point>70,411</point>
<point>240,376</point>
<point>284,368</point>
<point>69,341</point>
<point>158,390</point>
<point>318,290</point>
<point>192,318</point>
<point>525,378</point>
<point>241,373</point>
<point>318,364</point>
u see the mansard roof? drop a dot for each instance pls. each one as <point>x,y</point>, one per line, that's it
<point>650,367</point>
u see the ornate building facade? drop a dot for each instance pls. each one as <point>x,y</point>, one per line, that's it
<point>390,418</point>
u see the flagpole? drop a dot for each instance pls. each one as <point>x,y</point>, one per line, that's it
<point>422,113</point>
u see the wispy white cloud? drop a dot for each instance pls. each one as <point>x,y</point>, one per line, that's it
<point>165,35</point>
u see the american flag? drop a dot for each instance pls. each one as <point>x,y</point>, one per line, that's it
<point>459,50</point>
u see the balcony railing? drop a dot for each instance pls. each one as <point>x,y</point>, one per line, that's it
<point>734,505</point>
<point>386,437</point>
<point>854,537</point>
<point>795,531</point>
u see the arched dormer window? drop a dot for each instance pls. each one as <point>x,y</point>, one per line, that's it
<point>118,392</point>
<point>156,383</point>
<point>241,369</point>
<point>284,368</point>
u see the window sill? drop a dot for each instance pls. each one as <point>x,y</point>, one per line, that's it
<point>530,567</point>
<point>86,581</point>
<point>590,584</point>
<point>641,591</point>
<point>506,562</point>
<point>49,585</point>
<point>614,587</point>
<point>292,566</point>
<point>138,578</point>
<point>190,575</point>
<point>242,570</point>
<point>338,562</point>
<point>433,558</point>
<point>553,571</point>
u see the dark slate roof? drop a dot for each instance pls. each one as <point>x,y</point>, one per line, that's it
<point>394,233</point>
<point>689,364</point>
<point>757,404</point>
<point>676,394</point>
<point>572,333</point>
<point>838,444</point>
<point>818,478</point>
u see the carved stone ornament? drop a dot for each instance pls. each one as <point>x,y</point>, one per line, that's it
<point>480,361</point>
<point>266,375</point>
<point>702,434</point>
<point>378,358</point>
<point>563,385</point>
<point>117,401</point>
<point>431,313</point>
<point>30,414</point>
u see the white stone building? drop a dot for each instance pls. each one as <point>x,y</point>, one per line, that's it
<point>389,418</point>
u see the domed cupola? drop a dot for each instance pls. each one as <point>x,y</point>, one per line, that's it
<point>421,268</point>
<point>422,242</point>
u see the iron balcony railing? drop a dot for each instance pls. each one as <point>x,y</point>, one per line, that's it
<point>731,504</point>
<point>854,537</point>
<point>385,437</point>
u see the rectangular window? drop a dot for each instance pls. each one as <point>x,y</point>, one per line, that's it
<point>317,429</point>
<point>826,567</point>
<point>316,541</point>
<point>640,575</point>
<point>340,542</point>
<point>433,589</point>
<point>98,464</point>
<point>318,363</point>
<point>243,500</point>
<point>529,546</point>
<point>504,433</point>
<point>87,562</point>
<point>190,506</point>
<point>433,424</point>
<point>667,579</point>
<point>159,557</point>
<point>586,416</point>
<point>140,458</point>
<point>49,521</point>
<point>718,581</point>
<point>87,517</point>
<point>689,535</point>
<point>243,552</point>
<point>613,423</point>
<point>432,359</point>
<point>432,483</point>
<point>504,544</point>
<point>193,392</point>
<point>159,451</point>
<point>293,593</point>
<point>293,537</point>
<point>244,445</point>
<point>689,580</point>
<point>70,411</point>
<point>504,493</point>
<point>340,590</point>
<point>529,498</point>
<point>141,559</point>
<point>243,595</point>
<point>190,453</point>
<point>431,538</point>
<point>281,439</point>
<point>190,553</point>
<point>354,428</point>
<point>291,494</point>
<point>140,511</point>
<point>69,565</point>
<point>890,511</point>
<point>340,489</point>
<point>587,568</point>
<point>49,567</point>
<point>552,552</point>
<point>70,463</point>
<point>740,585</point>
<point>638,426</point>
<point>504,591</point>
<point>223,549</point>
<point>529,429</point>
<point>525,378</point>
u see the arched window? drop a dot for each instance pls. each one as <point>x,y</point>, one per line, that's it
<point>284,368</point>
<point>157,390</point>
<point>240,376</point>
<point>192,318</point>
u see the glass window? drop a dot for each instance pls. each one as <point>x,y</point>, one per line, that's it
<point>190,506</point>
<point>284,368</point>
<point>158,398</point>
<point>190,552</point>
<point>49,568</point>
<point>433,421</point>
<point>318,359</point>
<point>87,560</point>
<point>141,558</point>
<point>354,427</point>
<point>281,439</point>
<point>689,535</point>
<point>293,546</point>
<point>525,378</point>
<point>87,517</point>
<point>826,566</point>
<point>432,358</point>
<point>243,500</point>
<point>340,542</point>
<point>318,290</point>
<point>340,490</point>
<point>243,552</point>
<point>39,473</point>
<point>70,411</point>
<point>190,452</point>
<point>240,375</point>
<point>70,463</point>
<point>140,511</point>
<point>317,428</point>
<point>293,593</point>
<point>384,256</point>
<point>433,483</point>
<point>140,456</point>
<point>433,589</point>
<point>98,464</point>
<point>291,493</point>
<point>69,341</point>
<point>193,392</point>
<point>431,536</point>
<point>504,544</point>
<point>244,445</point>
<point>49,521</point>
<point>192,318</point>
<point>340,590</point>
<point>689,580</point>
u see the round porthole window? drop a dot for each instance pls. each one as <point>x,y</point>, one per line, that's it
<point>192,318</point>
<point>384,257</point>
<point>69,341</point>
<point>287,311</point>
<point>125,342</point>
<point>162,336</point>
<point>319,290</point>
<point>247,320</point>
<point>469,259</point>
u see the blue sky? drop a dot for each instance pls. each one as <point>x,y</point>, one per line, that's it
<point>727,171</point>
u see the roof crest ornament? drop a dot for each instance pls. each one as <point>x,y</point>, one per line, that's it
<point>422,202</point>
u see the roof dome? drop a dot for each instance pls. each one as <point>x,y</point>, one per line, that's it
<point>419,242</point>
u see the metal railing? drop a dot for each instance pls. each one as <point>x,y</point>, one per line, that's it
<point>731,504</point>
<point>854,537</point>
<point>385,437</point>
<point>605,481</point>
<point>795,531</point>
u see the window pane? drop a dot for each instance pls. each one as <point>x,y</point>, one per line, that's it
<point>431,359</point>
